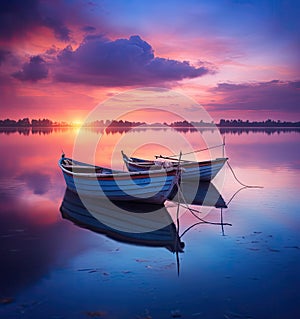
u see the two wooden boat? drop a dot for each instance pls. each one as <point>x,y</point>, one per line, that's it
<point>204,171</point>
<point>153,186</point>
<point>132,223</point>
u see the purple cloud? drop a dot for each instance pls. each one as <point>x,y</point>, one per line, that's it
<point>17,17</point>
<point>20,17</point>
<point>99,61</point>
<point>88,28</point>
<point>282,96</point>
<point>60,30</point>
<point>35,70</point>
<point>3,55</point>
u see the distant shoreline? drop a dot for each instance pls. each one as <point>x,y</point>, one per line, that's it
<point>125,125</point>
<point>154,127</point>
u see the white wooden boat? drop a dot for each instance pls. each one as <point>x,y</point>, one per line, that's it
<point>128,222</point>
<point>96,181</point>
<point>204,171</point>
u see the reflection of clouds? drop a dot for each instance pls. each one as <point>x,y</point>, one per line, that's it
<point>265,155</point>
<point>29,249</point>
<point>39,182</point>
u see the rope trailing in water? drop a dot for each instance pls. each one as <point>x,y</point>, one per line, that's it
<point>192,211</point>
<point>233,196</point>
<point>234,175</point>
<point>177,173</point>
<point>177,219</point>
<point>202,221</point>
<point>222,224</point>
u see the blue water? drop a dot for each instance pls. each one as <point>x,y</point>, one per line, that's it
<point>51,268</point>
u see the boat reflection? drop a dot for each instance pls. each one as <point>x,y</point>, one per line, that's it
<point>134,223</point>
<point>139,223</point>
<point>205,195</point>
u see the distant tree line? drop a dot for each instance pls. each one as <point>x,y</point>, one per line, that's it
<point>247,123</point>
<point>235,123</point>
<point>26,122</point>
<point>192,124</point>
<point>114,123</point>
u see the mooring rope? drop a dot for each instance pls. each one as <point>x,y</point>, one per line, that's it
<point>233,196</point>
<point>192,211</point>
<point>234,175</point>
<point>197,151</point>
<point>178,172</point>
<point>186,205</point>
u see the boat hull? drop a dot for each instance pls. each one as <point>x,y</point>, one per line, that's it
<point>203,171</point>
<point>151,187</point>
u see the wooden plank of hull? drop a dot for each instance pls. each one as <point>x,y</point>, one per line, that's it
<point>128,184</point>
<point>95,184</point>
<point>205,174</point>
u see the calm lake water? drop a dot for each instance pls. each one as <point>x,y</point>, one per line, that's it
<point>51,268</point>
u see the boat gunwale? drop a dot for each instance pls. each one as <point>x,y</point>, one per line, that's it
<point>186,164</point>
<point>172,171</point>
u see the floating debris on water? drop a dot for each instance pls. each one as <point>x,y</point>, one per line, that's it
<point>126,271</point>
<point>196,314</point>
<point>95,314</point>
<point>175,314</point>
<point>274,250</point>
<point>142,260</point>
<point>6,300</point>
<point>237,315</point>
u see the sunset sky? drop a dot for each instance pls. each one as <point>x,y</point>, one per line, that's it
<point>238,58</point>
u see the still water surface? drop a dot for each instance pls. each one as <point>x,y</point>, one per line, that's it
<point>51,268</point>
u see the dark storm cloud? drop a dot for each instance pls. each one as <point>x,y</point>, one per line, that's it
<point>172,69</point>
<point>295,84</point>
<point>35,70</point>
<point>3,55</point>
<point>88,28</point>
<point>60,30</point>
<point>18,17</point>
<point>99,61</point>
<point>273,95</point>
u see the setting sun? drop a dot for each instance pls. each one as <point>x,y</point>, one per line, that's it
<point>77,122</point>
